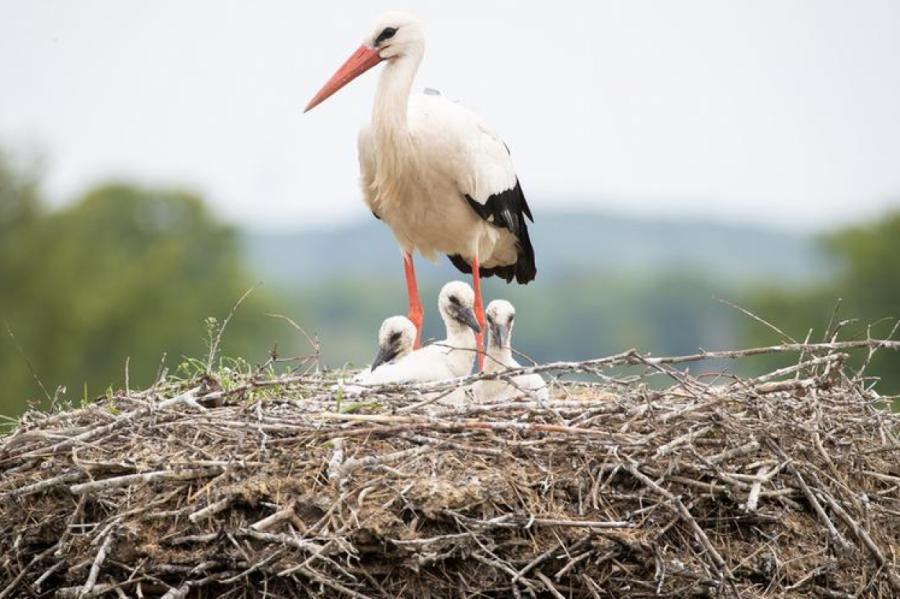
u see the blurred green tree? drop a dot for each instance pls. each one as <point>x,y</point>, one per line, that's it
<point>122,272</point>
<point>868,283</point>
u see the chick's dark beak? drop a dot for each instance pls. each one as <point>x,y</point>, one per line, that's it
<point>499,334</point>
<point>467,317</point>
<point>385,354</point>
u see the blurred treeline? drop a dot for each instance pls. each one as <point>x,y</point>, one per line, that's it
<point>861,298</point>
<point>125,275</point>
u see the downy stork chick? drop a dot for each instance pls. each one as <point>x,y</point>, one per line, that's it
<point>500,319</point>
<point>449,358</point>
<point>433,171</point>
<point>396,339</point>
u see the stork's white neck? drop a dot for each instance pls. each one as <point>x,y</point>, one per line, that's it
<point>393,143</point>
<point>460,343</point>
<point>459,335</point>
<point>498,358</point>
<point>392,98</point>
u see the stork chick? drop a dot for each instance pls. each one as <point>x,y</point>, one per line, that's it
<point>500,315</point>
<point>396,339</point>
<point>450,358</point>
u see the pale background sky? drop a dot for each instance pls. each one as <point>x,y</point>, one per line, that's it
<point>774,111</point>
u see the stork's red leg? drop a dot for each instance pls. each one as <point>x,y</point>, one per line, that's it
<point>416,313</point>
<point>479,313</point>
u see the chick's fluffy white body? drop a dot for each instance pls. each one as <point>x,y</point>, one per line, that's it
<point>449,358</point>
<point>500,315</point>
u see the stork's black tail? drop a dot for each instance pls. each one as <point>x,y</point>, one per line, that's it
<point>507,209</point>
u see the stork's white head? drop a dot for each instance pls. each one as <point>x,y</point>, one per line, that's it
<point>396,338</point>
<point>396,34</point>
<point>393,36</point>
<point>499,316</point>
<point>456,304</point>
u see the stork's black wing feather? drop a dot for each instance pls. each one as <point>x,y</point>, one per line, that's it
<point>507,209</point>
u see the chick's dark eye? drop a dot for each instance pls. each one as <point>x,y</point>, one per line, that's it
<point>454,300</point>
<point>395,337</point>
<point>386,34</point>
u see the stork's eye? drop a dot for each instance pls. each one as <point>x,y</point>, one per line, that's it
<point>454,300</point>
<point>386,34</point>
<point>395,337</point>
<point>511,316</point>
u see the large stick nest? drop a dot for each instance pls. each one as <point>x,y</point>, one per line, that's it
<point>232,485</point>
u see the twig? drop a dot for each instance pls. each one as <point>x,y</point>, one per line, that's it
<point>758,319</point>
<point>211,510</point>
<point>685,514</point>
<point>28,363</point>
<point>214,346</point>
<point>274,519</point>
<point>860,532</point>
<point>43,485</point>
<point>549,585</point>
<point>21,575</point>
<point>98,562</point>
<point>145,478</point>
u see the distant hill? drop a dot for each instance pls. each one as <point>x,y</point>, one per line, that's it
<point>566,243</point>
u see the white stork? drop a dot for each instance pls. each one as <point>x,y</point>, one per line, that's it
<point>500,316</point>
<point>450,358</point>
<point>434,172</point>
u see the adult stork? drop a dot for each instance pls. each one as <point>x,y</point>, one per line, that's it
<point>434,172</point>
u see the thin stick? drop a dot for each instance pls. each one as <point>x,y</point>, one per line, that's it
<point>98,562</point>
<point>758,319</point>
<point>214,346</point>
<point>145,478</point>
<point>28,363</point>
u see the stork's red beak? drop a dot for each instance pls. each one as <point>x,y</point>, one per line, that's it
<point>361,61</point>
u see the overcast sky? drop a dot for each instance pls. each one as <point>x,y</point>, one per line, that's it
<point>774,111</point>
